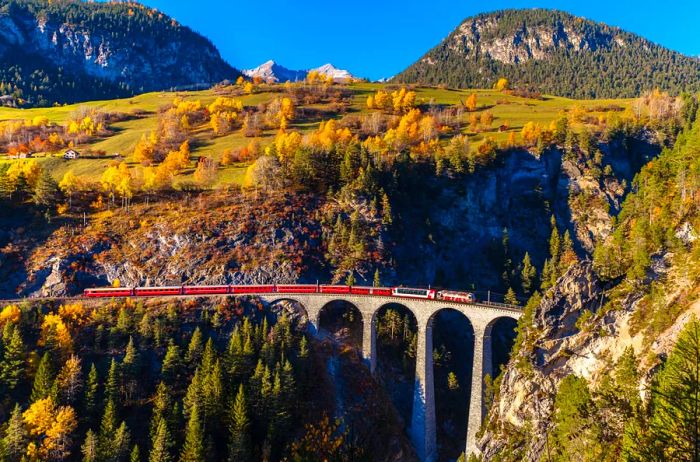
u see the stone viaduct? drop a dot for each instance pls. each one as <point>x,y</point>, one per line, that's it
<point>423,423</point>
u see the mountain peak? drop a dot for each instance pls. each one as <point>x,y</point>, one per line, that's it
<point>554,52</point>
<point>272,72</point>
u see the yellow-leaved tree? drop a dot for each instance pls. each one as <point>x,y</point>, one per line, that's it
<point>501,84</point>
<point>51,428</point>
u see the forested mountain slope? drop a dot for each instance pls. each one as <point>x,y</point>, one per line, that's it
<point>199,379</point>
<point>555,53</point>
<point>605,363</point>
<point>67,51</point>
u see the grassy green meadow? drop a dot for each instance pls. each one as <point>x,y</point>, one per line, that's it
<point>143,110</point>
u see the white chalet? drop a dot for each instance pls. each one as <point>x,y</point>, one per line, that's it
<point>71,154</point>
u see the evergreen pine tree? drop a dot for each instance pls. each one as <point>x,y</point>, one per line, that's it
<point>527,275</point>
<point>346,168</point>
<point>162,405</point>
<point>350,279</point>
<point>239,444</point>
<point>194,350</point>
<point>46,192</point>
<point>577,433</point>
<point>43,380</point>
<point>108,427</point>
<point>193,397</point>
<point>135,455</point>
<point>568,255</point>
<point>171,363</point>
<point>212,392</point>
<point>193,449</point>
<point>130,369</point>
<point>303,347</point>
<point>387,218</point>
<point>234,353</point>
<point>89,447</point>
<point>554,244</point>
<point>377,281</point>
<point>121,442</point>
<point>510,297</point>
<point>12,364</point>
<point>91,390</point>
<point>547,275</point>
<point>14,442</point>
<point>160,446</point>
<point>21,189</point>
<point>208,357</point>
<point>112,384</point>
<point>674,430</point>
<point>7,187</point>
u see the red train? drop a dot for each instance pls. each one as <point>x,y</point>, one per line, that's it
<point>405,292</point>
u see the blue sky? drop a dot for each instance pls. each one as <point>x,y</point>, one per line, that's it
<point>378,38</point>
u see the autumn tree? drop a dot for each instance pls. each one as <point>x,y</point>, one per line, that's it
<point>205,173</point>
<point>501,84</point>
<point>470,103</point>
<point>69,185</point>
<point>69,381</point>
<point>52,427</point>
<point>145,150</point>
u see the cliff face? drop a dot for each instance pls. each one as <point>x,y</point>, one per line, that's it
<point>451,231</point>
<point>560,343</point>
<point>484,35</point>
<point>527,392</point>
<point>126,48</point>
<point>213,240</point>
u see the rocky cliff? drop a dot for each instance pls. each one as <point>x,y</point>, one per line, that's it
<point>104,50</point>
<point>576,330</point>
<point>451,231</point>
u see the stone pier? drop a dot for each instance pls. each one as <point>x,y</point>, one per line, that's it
<point>423,431</point>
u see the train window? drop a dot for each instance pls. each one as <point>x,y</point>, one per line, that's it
<point>412,291</point>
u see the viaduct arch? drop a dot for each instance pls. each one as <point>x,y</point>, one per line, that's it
<point>423,423</point>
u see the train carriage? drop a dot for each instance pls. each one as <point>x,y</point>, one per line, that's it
<point>157,291</point>
<point>260,289</point>
<point>409,292</point>
<point>206,290</point>
<point>109,292</point>
<point>329,289</point>
<point>383,291</point>
<point>296,288</point>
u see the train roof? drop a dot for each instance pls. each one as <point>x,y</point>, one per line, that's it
<point>108,288</point>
